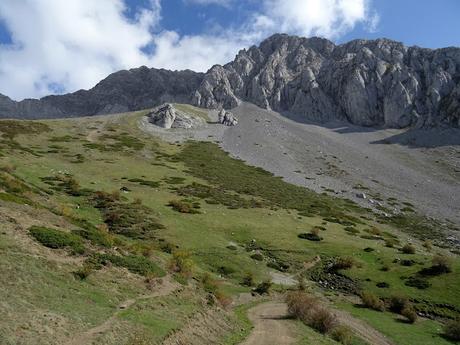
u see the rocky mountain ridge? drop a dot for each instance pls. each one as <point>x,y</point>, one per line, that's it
<point>369,83</point>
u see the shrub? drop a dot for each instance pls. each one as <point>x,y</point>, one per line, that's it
<point>263,287</point>
<point>408,249</point>
<point>371,301</point>
<point>134,263</point>
<point>398,303</point>
<point>209,283</point>
<point>391,242</point>
<point>452,330</point>
<point>342,334</point>
<point>322,320</point>
<point>382,285</point>
<point>407,262</point>
<point>351,230</point>
<point>307,309</point>
<point>409,313</point>
<point>57,239</point>
<point>428,245</point>
<point>182,263</point>
<point>343,263</point>
<point>248,279</point>
<point>300,304</point>
<point>368,249</point>
<point>439,264</point>
<point>418,283</point>
<point>309,236</point>
<point>183,206</point>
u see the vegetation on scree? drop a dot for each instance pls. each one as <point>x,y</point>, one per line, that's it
<point>209,162</point>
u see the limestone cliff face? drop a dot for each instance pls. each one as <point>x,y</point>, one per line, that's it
<point>369,83</point>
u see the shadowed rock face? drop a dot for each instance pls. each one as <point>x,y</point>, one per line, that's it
<point>126,90</point>
<point>369,83</point>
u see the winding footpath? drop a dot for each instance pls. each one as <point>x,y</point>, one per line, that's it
<point>271,325</point>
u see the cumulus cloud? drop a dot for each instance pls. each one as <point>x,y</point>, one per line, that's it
<point>61,46</point>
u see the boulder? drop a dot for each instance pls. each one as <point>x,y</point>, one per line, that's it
<point>227,118</point>
<point>167,116</point>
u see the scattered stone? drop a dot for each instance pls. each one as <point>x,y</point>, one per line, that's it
<point>166,116</point>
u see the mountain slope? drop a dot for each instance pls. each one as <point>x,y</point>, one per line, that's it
<point>133,89</point>
<point>368,83</point>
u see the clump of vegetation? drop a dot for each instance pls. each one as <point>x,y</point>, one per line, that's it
<point>11,128</point>
<point>371,301</point>
<point>417,282</point>
<point>410,314</point>
<point>142,182</point>
<point>408,249</point>
<point>248,279</point>
<point>428,244</point>
<point>184,206</point>
<point>382,285</point>
<point>308,310</point>
<point>397,303</point>
<point>99,236</point>
<point>351,230</point>
<point>440,264</point>
<point>66,183</point>
<point>343,263</point>
<point>369,249</point>
<point>263,287</point>
<point>452,330</point>
<point>57,239</point>
<point>342,334</point>
<point>134,263</point>
<point>129,219</point>
<point>182,263</point>
<point>174,180</point>
<point>313,235</point>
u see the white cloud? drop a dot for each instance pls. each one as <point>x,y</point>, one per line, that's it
<point>67,45</point>
<point>224,3</point>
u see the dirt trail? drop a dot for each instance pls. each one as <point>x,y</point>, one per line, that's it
<point>89,336</point>
<point>362,329</point>
<point>271,325</point>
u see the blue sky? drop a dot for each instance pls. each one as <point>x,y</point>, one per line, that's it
<point>55,46</point>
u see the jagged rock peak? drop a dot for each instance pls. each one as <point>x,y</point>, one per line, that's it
<point>367,82</point>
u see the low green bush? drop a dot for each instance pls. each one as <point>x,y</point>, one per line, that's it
<point>134,263</point>
<point>417,282</point>
<point>57,239</point>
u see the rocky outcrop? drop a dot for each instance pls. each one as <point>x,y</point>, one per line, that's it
<point>166,116</point>
<point>369,83</point>
<point>227,118</point>
<point>127,90</point>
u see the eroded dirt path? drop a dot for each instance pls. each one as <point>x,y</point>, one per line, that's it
<point>271,325</point>
<point>362,329</point>
<point>88,337</point>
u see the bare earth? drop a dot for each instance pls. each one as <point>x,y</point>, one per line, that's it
<point>271,326</point>
<point>420,167</point>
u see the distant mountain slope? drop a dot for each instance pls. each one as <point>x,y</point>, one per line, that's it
<point>369,83</point>
<point>126,90</point>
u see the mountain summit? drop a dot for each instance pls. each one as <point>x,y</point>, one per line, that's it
<point>366,82</point>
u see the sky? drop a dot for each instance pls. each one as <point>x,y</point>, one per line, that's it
<point>57,46</point>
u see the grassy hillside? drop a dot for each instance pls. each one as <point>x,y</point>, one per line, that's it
<point>105,226</point>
